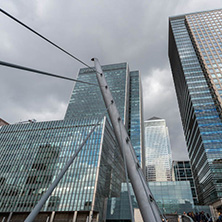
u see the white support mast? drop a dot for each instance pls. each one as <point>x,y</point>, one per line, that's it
<point>148,208</point>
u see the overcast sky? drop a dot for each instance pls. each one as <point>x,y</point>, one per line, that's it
<point>112,30</point>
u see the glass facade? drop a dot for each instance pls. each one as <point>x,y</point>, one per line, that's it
<point>158,158</point>
<point>33,154</point>
<point>182,172</point>
<point>136,116</point>
<point>171,197</point>
<point>206,33</point>
<point>125,86</point>
<point>86,100</point>
<point>192,57</point>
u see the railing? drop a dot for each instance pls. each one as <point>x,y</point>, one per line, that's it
<point>186,218</point>
<point>172,218</point>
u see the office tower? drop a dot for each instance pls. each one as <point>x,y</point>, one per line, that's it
<point>181,171</point>
<point>86,100</point>
<point>136,130</point>
<point>125,86</point>
<point>195,52</point>
<point>33,153</point>
<point>158,159</point>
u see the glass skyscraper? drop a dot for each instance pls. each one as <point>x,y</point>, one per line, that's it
<point>195,52</point>
<point>86,100</point>
<point>136,130</point>
<point>32,154</point>
<point>125,85</point>
<point>158,158</point>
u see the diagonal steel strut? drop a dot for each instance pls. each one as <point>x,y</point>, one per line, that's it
<point>148,208</point>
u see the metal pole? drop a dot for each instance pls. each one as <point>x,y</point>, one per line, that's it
<point>147,205</point>
<point>128,188</point>
<point>46,195</point>
<point>9,217</point>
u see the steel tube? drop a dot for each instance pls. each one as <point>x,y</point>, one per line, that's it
<point>147,205</point>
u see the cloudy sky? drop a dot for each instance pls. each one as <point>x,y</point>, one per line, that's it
<point>113,30</point>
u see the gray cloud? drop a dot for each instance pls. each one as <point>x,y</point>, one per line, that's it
<point>114,31</point>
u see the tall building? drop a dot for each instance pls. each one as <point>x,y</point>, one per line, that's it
<point>195,52</point>
<point>158,158</point>
<point>32,154</point>
<point>87,101</point>
<point>125,85</point>
<point>181,171</point>
<point>136,129</point>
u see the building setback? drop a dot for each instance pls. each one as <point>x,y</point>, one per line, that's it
<point>158,157</point>
<point>195,52</point>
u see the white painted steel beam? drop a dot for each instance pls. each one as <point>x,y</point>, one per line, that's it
<point>148,208</point>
